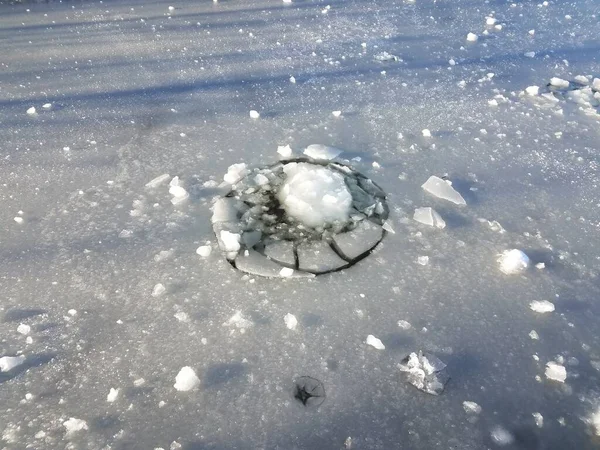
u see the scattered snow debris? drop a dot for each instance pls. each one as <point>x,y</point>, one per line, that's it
<point>429,216</point>
<point>158,180</point>
<point>423,260</point>
<point>73,425</point>
<point>426,133</point>
<point>539,419</point>
<point>471,407</point>
<point>8,363</point>
<point>112,395</point>
<point>19,220</point>
<point>254,114</point>
<point>385,57</point>
<point>235,173</point>
<point>23,329</point>
<point>375,342</point>
<point>532,90</point>
<point>286,272</point>
<point>231,241</point>
<point>319,151</point>
<point>472,37</point>
<point>501,436</point>
<point>533,335</point>
<point>594,421</point>
<point>559,83</point>
<point>336,113</point>
<point>238,321</point>
<point>158,290</point>
<point>186,379</point>
<point>513,261</point>
<point>425,371</point>
<point>387,226</point>
<point>284,151</point>
<point>292,80</point>
<point>404,325</point>
<point>541,306</point>
<point>31,111</point>
<point>182,316</point>
<point>443,189</point>
<point>314,195</point>
<point>529,54</point>
<point>47,106</point>
<point>204,250</point>
<point>556,372</point>
<point>290,321</point>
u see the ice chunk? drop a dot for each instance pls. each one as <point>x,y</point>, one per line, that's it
<point>250,261</point>
<point>225,209</point>
<point>471,407</point>
<point>290,321</point>
<point>541,306</point>
<point>235,173</point>
<point>285,151</point>
<point>112,395</point>
<point>556,372</point>
<point>319,151</point>
<point>254,114</point>
<point>281,251</point>
<point>539,419</point>
<point>158,290</point>
<point>186,380</point>
<point>23,329</point>
<point>73,425</point>
<point>444,190</point>
<point>204,250</point>
<point>404,325</point>
<point>596,84</point>
<point>472,37</point>
<point>429,216</point>
<point>593,420</point>
<point>158,180</point>
<point>314,195</point>
<point>426,133</point>
<point>357,242</point>
<point>318,256</point>
<point>423,260</point>
<point>513,261</point>
<point>19,220</point>
<point>375,342</point>
<point>47,106</point>
<point>501,436</point>
<point>386,57</point>
<point>559,83</point>
<point>532,90</point>
<point>178,192</point>
<point>8,363</point>
<point>31,111</point>
<point>230,241</point>
<point>336,113</point>
<point>286,272</point>
<point>529,55</point>
<point>260,179</point>
<point>425,371</point>
<point>533,335</point>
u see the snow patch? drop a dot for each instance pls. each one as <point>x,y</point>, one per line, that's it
<point>186,380</point>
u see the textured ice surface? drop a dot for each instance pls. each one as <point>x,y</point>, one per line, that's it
<point>442,189</point>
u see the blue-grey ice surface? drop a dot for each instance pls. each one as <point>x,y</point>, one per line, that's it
<point>105,296</point>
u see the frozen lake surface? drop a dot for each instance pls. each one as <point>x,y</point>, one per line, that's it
<point>123,325</point>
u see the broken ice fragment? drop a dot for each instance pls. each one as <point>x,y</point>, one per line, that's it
<point>235,172</point>
<point>23,329</point>
<point>336,113</point>
<point>375,342</point>
<point>158,290</point>
<point>532,90</point>
<point>542,306</point>
<point>471,407</point>
<point>429,216</point>
<point>426,133</point>
<point>501,436</point>
<point>254,114</point>
<point>285,151</point>
<point>286,272</point>
<point>158,180</point>
<point>290,321</point>
<point>73,425</point>
<point>319,151</point>
<point>204,250</point>
<point>386,57</point>
<point>8,363</point>
<point>230,241</point>
<point>358,241</point>
<point>513,261</point>
<point>31,111</point>
<point>425,371</point>
<point>186,379</point>
<point>112,395</point>
<point>472,37</point>
<point>556,372</point>
<point>559,83</point>
<point>444,190</point>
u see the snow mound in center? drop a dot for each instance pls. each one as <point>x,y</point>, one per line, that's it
<point>314,195</point>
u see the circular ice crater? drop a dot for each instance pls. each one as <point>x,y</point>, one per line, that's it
<point>315,195</point>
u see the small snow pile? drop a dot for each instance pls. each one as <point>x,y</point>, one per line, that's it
<point>23,329</point>
<point>73,425</point>
<point>426,372</point>
<point>204,250</point>
<point>472,37</point>
<point>158,180</point>
<point>443,189</point>
<point>314,195</point>
<point>31,111</point>
<point>319,151</point>
<point>285,151</point>
<point>290,321</point>
<point>8,363</point>
<point>375,342</point>
<point>235,173</point>
<point>186,379</point>
<point>230,242</point>
<point>429,216</point>
<point>112,395</point>
<point>513,261</point>
<point>542,306</point>
<point>254,114</point>
<point>556,372</point>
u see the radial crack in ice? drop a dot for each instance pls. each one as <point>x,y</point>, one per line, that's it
<point>425,371</point>
<point>443,189</point>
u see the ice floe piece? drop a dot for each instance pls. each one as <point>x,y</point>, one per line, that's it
<point>225,209</point>
<point>444,190</point>
<point>532,90</point>
<point>252,262</point>
<point>542,306</point>
<point>158,180</point>
<point>425,371</point>
<point>238,321</point>
<point>556,372</point>
<point>538,419</point>
<point>513,261</point>
<point>230,243</point>
<point>290,321</point>
<point>386,57</point>
<point>158,290</point>
<point>315,195</point>
<point>429,216</point>
<point>357,242</point>
<point>281,251</point>
<point>73,425</point>
<point>112,395</point>
<point>254,114</point>
<point>319,151</point>
<point>235,172</point>
<point>23,329</point>
<point>286,272</point>
<point>204,250</point>
<point>285,151</point>
<point>501,436</point>
<point>471,407</point>
<point>318,256</point>
<point>375,342</point>
<point>8,363</point>
<point>559,83</point>
<point>31,111</point>
<point>186,379</point>
<point>472,37</point>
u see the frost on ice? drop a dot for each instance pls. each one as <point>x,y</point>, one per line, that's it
<point>513,261</point>
<point>443,189</point>
<point>8,363</point>
<point>429,216</point>
<point>186,379</point>
<point>425,371</point>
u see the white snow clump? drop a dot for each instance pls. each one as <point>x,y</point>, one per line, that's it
<point>72,425</point>
<point>472,37</point>
<point>375,342</point>
<point>186,379</point>
<point>204,250</point>
<point>513,261</point>
<point>290,321</point>
<point>541,306</point>
<point>235,173</point>
<point>556,372</point>
<point>8,363</point>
